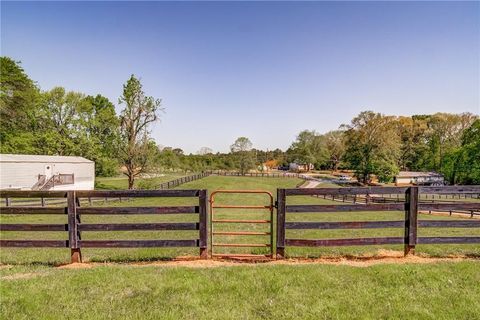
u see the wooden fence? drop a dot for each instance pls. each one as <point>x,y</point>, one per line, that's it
<point>75,227</point>
<point>182,180</point>
<point>257,174</point>
<point>411,201</point>
<point>411,205</point>
<point>45,202</point>
<point>400,198</point>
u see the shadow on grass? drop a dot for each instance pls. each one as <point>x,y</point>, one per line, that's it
<point>133,260</point>
<point>352,257</point>
<point>96,260</point>
<point>380,255</point>
<point>33,263</point>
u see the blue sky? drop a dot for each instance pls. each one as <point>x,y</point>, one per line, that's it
<point>265,70</point>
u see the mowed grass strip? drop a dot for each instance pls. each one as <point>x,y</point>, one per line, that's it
<point>120,183</point>
<point>447,290</point>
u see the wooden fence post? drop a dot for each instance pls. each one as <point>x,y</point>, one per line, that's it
<point>202,201</point>
<point>281,208</point>
<point>411,220</point>
<point>75,254</point>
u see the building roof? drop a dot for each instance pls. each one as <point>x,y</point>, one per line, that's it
<point>413,174</point>
<point>41,158</point>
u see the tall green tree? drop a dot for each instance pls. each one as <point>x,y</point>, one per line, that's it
<point>168,160</point>
<point>139,113</point>
<point>414,149</point>
<point>462,165</point>
<point>309,147</point>
<point>335,146</point>
<point>61,129</point>
<point>102,130</point>
<point>19,99</point>
<point>373,146</point>
<point>444,136</point>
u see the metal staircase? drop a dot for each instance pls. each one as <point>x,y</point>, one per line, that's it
<point>40,183</point>
<point>58,179</point>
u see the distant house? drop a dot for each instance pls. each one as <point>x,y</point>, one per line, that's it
<point>300,167</point>
<point>419,178</point>
<point>38,172</point>
<point>271,164</point>
<point>263,167</point>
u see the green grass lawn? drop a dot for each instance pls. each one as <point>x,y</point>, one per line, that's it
<point>121,182</point>
<point>32,288</point>
<point>447,290</point>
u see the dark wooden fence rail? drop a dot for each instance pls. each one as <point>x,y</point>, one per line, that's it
<point>424,198</point>
<point>411,204</point>
<point>257,174</point>
<point>44,202</point>
<point>182,180</point>
<point>74,226</point>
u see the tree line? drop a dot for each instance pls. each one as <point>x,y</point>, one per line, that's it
<point>57,122</point>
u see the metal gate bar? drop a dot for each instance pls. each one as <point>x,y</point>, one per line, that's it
<point>269,207</point>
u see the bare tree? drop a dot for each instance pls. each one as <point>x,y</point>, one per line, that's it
<point>140,111</point>
<point>204,150</point>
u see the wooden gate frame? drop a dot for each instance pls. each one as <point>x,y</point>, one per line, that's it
<point>270,207</point>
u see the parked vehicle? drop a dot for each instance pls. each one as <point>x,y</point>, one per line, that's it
<point>344,178</point>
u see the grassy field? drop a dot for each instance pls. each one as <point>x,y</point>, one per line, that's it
<point>447,290</point>
<point>119,183</point>
<point>33,288</point>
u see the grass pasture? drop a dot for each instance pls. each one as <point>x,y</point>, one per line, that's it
<point>131,285</point>
<point>447,290</point>
<point>120,183</point>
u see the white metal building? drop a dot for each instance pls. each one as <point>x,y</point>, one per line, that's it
<point>301,167</point>
<point>37,172</point>
<point>419,178</point>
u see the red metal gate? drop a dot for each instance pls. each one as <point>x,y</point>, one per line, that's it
<point>215,222</point>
